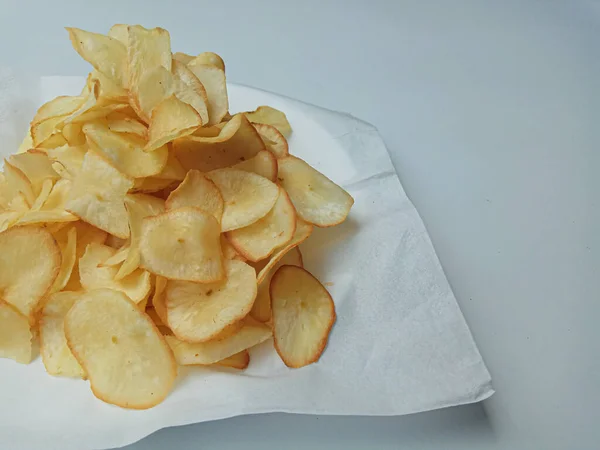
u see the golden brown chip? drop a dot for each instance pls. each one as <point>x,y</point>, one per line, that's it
<point>213,80</point>
<point>56,355</point>
<point>171,119</point>
<point>197,190</point>
<point>317,199</point>
<point>182,244</point>
<point>263,163</point>
<point>303,314</point>
<point>199,312</point>
<point>15,334</point>
<point>123,354</point>
<point>270,116</point>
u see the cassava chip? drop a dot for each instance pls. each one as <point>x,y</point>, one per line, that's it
<point>275,142</point>
<point>98,194</point>
<point>146,50</point>
<point>56,355</point>
<point>247,197</point>
<point>57,107</point>
<point>188,89</point>
<point>29,265</point>
<point>182,244</point>
<point>197,190</point>
<point>209,58</point>
<point>95,275</point>
<point>215,351</point>
<point>213,80</point>
<point>15,334</point>
<point>124,356</point>
<point>259,240</point>
<point>171,119</point>
<point>303,314</point>
<point>68,251</point>
<point>317,199</point>
<point>263,163</point>
<point>229,251</point>
<point>270,116</point>
<point>158,299</point>
<point>199,312</point>
<point>239,361</point>
<point>261,310</point>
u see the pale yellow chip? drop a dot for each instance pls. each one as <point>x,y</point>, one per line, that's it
<point>197,190</point>
<point>151,185</point>
<point>146,50</point>
<point>182,244</point>
<point>209,58</point>
<point>97,189</point>
<point>36,166</point>
<point>27,142</point>
<point>152,88</point>
<point>124,356</point>
<point>29,265</point>
<point>189,89</point>
<point>213,80</point>
<point>42,131</point>
<point>73,134</point>
<point>43,195</point>
<point>139,206</point>
<point>317,199</point>
<point>53,208</point>
<point>215,351</point>
<point>229,251</point>
<point>237,141</point>
<point>118,257</point>
<point>15,183</point>
<point>86,234</point>
<point>119,32</point>
<point>8,219</point>
<point>127,125</point>
<point>247,197</point>
<point>263,163</point>
<point>171,119</point>
<point>302,232</point>
<point>71,158</point>
<point>95,275</point>
<point>15,334</point>
<point>56,355</point>
<point>57,107</point>
<point>158,299</point>
<point>199,312</point>
<point>238,361</point>
<point>110,91</point>
<point>261,310</point>
<point>173,170</point>
<point>275,141</point>
<point>259,240</point>
<point>107,55</point>
<point>303,314</point>
<point>125,151</point>
<point>182,57</point>
<point>270,116</point>
<point>68,251</point>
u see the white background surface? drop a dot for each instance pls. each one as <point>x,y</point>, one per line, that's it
<point>490,110</point>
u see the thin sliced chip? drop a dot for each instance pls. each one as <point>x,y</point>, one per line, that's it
<point>259,240</point>
<point>303,231</point>
<point>120,33</point>
<point>261,310</point>
<point>213,80</point>
<point>106,54</point>
<point>123,354</point>
<point>151,184</point>
<point>146,50</point>
<point>275,141</point>
<point>56,355</point>
<point>127,125</point>
<point>199,312</point>
<point>8,219</point>
<point>173,170</point>
<point>215,351</point>
<point>97,189</point>
<point>229,251</point>
<point>197,190</point>
<point>57,107</point>
<point>73,134</point>
<point>188,89</point>
<point>94,275</point>
<point>36,166</point>
<point>43,195</point>
<point>317,199</point>
<point>16,182</point>
<point>247,197</point>
<point>139,206</point>
<point>182,57</point>
<point>44,130</point>
<point>126,151</point>
<point>86,235</point>
<point>68,251</point>
<point>270,116</point>
<point>263,163</point>
<point>110,91</point>
<point>303,314</point>
<point>238,361</point>
<point>29,265</point>
<point>71,158</point>
<point>27,143</point>
<point>117,258</point>
<point>158,299</point>
<point>237,141</point>
<point>182,244</point>
<point>171,119</point>
<point>53,209</point>
<point>153,87</point>
<point>15,334</point>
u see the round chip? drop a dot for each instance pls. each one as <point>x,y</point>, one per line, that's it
<point>199,312</point>
<point>317,199</point>
<point>270,116</point>
<point>15,334</point>
<point>239,361</point>
<point>263,163</point>
<point>303,314</point>
<point>182,244</point>
<point>29,265</point>
<point>275,141</point>
<point>259,240</point>
<point>68,250</point>
<point>197,190</point>
<point>213,80</point>
<point>248,197</point>
<point>126,359</point>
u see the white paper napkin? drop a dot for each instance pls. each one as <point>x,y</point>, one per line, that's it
<point>400,344</point>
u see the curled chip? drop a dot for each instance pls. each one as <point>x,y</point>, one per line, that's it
<point>188,89</point>
<point>214,351</point>
<point>317,199</point>
<point>171,119</point>
<point>275,142</point>
<point>199,312</point>
<point>247,197</point>
<point>213,80</point>
<point>197,190</point>
<point>95,275</point>
<point>98,188</point>
<point>182,244</point>
<point>270,116</point>
<point>261,310</point>
<point>147,49</point>
<point>29,265</point>
<point>208,58</point>
<point>68,250</point>
<point>124,356</point>
<point>303,314</point>
<point>259,240</point>
<point>239,361</point>
<point>56,355</point>
<point>263,163</point>
<point>15,334</point>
